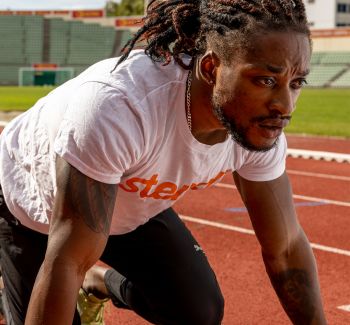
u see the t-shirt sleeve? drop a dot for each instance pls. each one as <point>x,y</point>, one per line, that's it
<point>265,166</point>
<point>101,133</point>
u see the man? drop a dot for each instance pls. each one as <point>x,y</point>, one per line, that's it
<point>98,163</point>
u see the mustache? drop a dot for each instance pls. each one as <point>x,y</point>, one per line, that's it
<point>273,120</point>
<point>261,119</point>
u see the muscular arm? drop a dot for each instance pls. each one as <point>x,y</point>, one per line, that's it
<point>78,234</point>
<point>286,251</point>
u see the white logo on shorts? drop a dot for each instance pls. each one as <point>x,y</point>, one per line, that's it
<point>198,248</point>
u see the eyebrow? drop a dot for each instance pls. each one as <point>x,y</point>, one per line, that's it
<point>277,69</point>
<point>305,73</point>
<point>274,69</point>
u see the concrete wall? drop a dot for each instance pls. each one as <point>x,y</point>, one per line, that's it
<point>321,13</point>
<point>331,40</point>
<point>331,45</point>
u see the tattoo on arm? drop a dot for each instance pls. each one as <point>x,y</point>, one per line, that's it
<point>294,289</point>
<point>92,200</point>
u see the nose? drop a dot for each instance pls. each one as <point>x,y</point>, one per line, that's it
<point>283,101</point>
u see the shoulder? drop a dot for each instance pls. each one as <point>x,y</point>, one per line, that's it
<point>139,76</point>
<point>135,79</point>
<point>264,166</point>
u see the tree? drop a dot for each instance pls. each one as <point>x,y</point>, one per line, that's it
<point>125,8</point>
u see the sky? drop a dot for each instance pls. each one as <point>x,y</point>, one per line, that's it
<point>51,4</point>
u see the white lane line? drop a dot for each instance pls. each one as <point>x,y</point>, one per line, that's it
<point>224,185</point>
<point>218,225</point>
<point>330,249</point>
<point>251,232</point>
<point>316,199</point>
<point>345,308</point>
<point>296,196</point>
<point>319,175</point>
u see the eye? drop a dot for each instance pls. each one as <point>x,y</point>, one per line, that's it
<point>265,81</point>
<point>298,83</point>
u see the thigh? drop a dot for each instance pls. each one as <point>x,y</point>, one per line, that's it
<point>167,265</point>
<point>22,252</point>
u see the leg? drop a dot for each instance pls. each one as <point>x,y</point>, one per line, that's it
<point>22,251</point>
<point>168,279</point>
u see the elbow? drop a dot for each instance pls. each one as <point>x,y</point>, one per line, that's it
<point>65,264</point>
<point>275,261</point>
<point>283,254</point>
<point>278,251</point>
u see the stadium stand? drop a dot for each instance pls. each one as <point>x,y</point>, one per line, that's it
<point>343,81</point>
<point>11,34</point>
<point>33,31</point>
<point>122,37</point>
<point>335,58</point>
<point>329,69</point>
<point>57,39</point>
<point>27,40</point>
<point>21,39</point>
<point>88,44</point>
<point>21,45</point>
<point>75,44</point>
<point>322,75</point>
<point>316,57</point>
<point>9,74</point>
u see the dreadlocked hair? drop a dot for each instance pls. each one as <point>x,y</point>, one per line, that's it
<point>172,28</point>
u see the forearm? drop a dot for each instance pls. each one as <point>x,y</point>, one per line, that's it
<point>54,296</point>
<point>295,280</point>
<point>79,229</point>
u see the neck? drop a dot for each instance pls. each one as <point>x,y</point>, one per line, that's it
<point>210,138</point>
<point>202,122</point>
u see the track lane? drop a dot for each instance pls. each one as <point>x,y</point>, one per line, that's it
<point>326,225</point>
<point>236,257</point>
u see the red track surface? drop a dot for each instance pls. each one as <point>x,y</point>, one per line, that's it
<point>338,145</point>
<point>235,256</point>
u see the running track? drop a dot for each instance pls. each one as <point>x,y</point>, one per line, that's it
<point>218,220</point>
<point>220,223</point>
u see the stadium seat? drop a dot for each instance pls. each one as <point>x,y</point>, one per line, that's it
<point>335,58</point>
<point>323,75</point>
<point>343,81</point>
<point>34,39</point>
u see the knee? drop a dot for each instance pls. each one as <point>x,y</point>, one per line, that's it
<point>208,310</point>
<point>215,311</point>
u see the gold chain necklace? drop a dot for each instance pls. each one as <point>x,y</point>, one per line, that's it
<point>188,100</point>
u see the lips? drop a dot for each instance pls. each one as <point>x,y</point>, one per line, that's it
<point>272,128</point>
<point>274,123</point>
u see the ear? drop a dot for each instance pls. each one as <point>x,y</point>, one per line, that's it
<point>208,66</point>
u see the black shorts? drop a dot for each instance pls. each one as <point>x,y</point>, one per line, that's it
<point>22,252</point>
<point>169,280</point>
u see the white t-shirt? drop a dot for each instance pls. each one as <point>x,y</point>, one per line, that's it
<point>125,127</point>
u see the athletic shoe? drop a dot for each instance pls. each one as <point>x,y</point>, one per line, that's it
<point>90,308</point>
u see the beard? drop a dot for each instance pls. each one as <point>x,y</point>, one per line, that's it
<point>237,133</point>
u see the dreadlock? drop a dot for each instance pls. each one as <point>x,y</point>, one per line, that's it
<point>172,28</point>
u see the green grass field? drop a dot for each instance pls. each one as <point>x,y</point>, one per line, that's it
<point>20,98</point>
<point>319,111</point>
<point>322,112</point>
